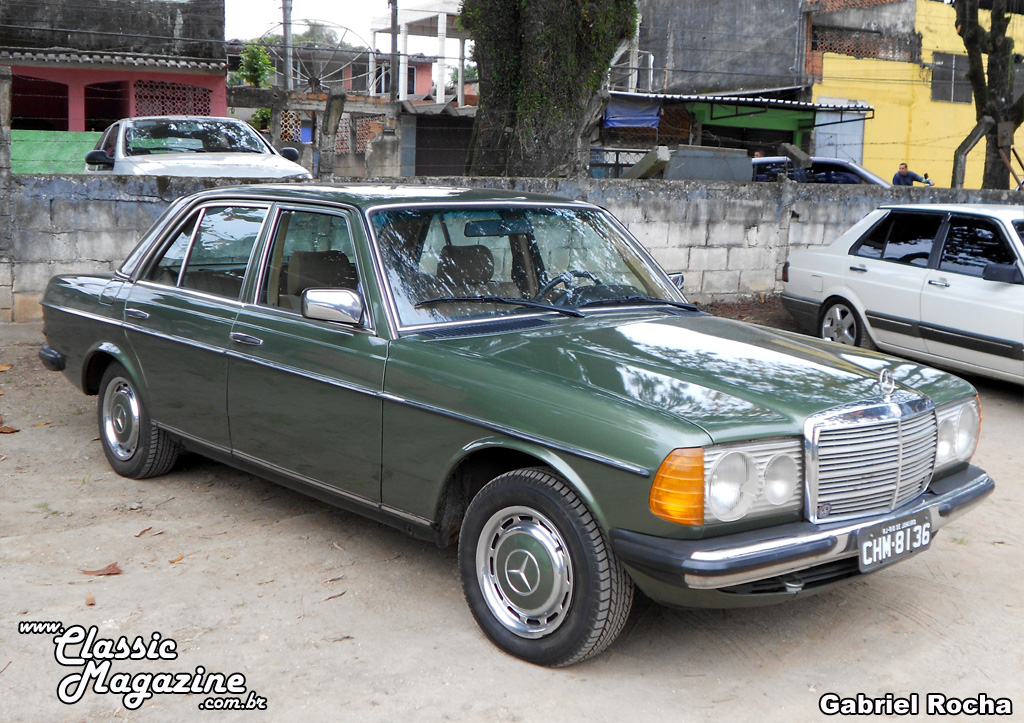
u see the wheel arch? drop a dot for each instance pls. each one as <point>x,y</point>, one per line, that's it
<point>846,296</point>
<point>96,362</point>
<point>476,464</point>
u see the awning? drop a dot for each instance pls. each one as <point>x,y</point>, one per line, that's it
<point>632,112</point>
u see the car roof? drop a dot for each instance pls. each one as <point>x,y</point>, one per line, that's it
<point>854,167</point>
<point>372,195</point>
<point>179,118</point>
<point>1009,212</point>
<point>814,159</point>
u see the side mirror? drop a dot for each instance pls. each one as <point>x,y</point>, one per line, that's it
<point>344,305</point>
<point>1006,273</point>
<point>290,154</point>
<point>677,280</point>
<point>99,158</point>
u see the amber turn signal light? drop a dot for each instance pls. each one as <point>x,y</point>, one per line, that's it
<point>677,493</point>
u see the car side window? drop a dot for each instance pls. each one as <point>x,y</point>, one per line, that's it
<point>911,239</point>
<point>108,141</point>
<point>310,250</point>
<point>903,238</point>
<point>167,269</point>
<point>831,173</point>
<point>971,245</point>
<point>214,256</point>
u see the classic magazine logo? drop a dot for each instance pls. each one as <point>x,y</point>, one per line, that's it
<point>92,659</point>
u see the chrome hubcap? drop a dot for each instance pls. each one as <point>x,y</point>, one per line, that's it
<point>524,571</point>
<point>120,424</point>
<point>839,325</point>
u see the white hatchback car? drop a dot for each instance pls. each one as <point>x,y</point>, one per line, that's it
<point>943,283</point>
<point>196,146</point>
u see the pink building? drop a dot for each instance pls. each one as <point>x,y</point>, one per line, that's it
<point>78,67</point>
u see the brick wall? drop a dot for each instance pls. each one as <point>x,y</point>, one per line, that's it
<point>367,128</point>
<point>832,6</point>
<point>865,44</point>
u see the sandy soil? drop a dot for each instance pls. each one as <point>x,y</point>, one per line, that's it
<point>331,617</point>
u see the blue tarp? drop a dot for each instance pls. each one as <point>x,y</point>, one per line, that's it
<point>632,112</point>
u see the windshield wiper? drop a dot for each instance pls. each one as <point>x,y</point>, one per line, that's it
<point>501,300</point>
<point>626,300</point>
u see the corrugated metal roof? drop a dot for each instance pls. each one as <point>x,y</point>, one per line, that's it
<point>748,101</point>
<point>61,56</point>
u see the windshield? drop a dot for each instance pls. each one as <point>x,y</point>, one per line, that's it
<point>457,263</point>
<point>191,135</point>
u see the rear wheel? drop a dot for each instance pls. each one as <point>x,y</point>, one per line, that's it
<point>841,323</point>
<point>134,446</point>
<point>538,572</point>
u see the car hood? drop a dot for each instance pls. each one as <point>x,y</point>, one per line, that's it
<point>720,375</point>
<point>226,165</point>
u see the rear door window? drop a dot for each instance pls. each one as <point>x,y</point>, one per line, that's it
<point>211,251</point>
<point>903,238</point>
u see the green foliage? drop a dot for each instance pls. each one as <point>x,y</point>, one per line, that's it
<point>255,67</point>
<point>261,118</point>
<point>470,74</point>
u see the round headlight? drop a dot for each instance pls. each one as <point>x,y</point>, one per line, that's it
<point>733,487</point>
<point>780,479</point>
<point>967,431</point>
<point>946,441</point>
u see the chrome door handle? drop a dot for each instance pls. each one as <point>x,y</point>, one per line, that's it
<point>938,282</point>
<point>246,339</point>
<point>136,313</point>
<point>859,269</point>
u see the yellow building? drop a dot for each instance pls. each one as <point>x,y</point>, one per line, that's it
<point>910,123</point>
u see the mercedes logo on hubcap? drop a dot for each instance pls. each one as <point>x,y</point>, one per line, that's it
<point>522,573</point>
<point>120,420</point>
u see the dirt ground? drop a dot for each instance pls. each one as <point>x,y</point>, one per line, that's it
<point>332,617</point>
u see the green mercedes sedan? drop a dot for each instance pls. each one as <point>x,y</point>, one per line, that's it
<point>514,373</point>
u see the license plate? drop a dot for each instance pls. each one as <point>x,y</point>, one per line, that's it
<point>888,542</point>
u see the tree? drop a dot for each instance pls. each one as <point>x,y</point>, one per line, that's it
<point>255,66</point>
<point>542,64</point>
<point>993,95</point>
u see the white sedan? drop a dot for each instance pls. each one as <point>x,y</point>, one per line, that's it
<point>943,283</point>
<point>195,146</point>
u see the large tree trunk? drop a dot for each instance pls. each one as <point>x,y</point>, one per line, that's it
<point>542,64</point>
<point>993,91</point>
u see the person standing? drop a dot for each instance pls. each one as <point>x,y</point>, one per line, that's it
<point>906,177</point>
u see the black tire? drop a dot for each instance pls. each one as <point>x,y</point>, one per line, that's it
<point>840,322</point>
<point>134,446</point>
<point>564,609</point>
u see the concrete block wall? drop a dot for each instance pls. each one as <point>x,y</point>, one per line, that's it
<point>729,239</point>
<point>76,224</point>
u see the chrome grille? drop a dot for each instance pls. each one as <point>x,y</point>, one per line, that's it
<point>870,459</point>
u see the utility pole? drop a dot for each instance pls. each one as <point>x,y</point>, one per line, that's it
<point>289,81</point>
<point>394,49</point>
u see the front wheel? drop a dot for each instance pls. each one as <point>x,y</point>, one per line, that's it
<point>539,573</point>
<point>134,446</point>
<point>841,323</point>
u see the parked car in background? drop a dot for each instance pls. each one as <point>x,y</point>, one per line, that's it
<point>514,372</point>
<point>941,283</point>
<point>822,170</point>
<point>196,146</point>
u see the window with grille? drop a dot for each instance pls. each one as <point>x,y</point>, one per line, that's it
<point>949,78</point>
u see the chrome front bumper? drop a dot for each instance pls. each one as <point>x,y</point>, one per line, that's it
<point>720,562</point>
